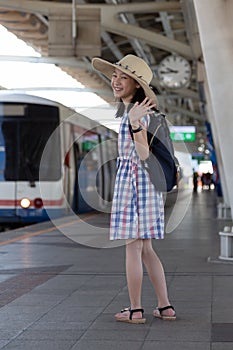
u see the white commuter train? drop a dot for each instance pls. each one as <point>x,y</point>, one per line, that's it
<point>52,160</point>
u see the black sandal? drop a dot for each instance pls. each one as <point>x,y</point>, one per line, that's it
<point>128,318</point>
<point>158,313</point>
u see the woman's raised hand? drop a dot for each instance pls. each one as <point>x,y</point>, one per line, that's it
<point>140,109</point>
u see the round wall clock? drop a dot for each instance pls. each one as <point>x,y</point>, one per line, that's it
<point>174,72</point>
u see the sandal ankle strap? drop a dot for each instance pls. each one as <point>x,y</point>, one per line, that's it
<point>161,309</point>
<point>132,311</point>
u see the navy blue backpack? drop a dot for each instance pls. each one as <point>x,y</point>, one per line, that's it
<point>162,165</point>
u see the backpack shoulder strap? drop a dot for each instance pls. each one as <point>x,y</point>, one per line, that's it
<point>154,134</point>
<point>157,120</point>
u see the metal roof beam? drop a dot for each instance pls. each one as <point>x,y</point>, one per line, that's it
<point>63,88</point>
<point>140,48</point>
<point>59,61</point>
<point>46,7</point>
<point>110,21</point>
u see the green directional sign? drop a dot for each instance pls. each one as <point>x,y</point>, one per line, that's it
<point>183,133</point>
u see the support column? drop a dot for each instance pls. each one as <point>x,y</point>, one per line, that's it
<point>215,26</point>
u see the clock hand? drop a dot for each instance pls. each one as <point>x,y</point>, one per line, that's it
<point>169,70</point>
<point>172,70</point>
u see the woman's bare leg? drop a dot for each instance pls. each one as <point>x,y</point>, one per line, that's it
<point>134,271</point>
<point>156,274</point>
<point>134,275</point>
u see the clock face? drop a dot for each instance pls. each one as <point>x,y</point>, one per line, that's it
<point>174,72</point>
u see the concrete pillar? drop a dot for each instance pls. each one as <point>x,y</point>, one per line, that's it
<point>215,26</point>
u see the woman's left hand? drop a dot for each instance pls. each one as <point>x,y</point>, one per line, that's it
<point>139,110</point>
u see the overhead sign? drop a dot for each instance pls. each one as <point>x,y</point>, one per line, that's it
<point>183,133</point>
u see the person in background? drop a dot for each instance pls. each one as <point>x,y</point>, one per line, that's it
<point>195,181</point>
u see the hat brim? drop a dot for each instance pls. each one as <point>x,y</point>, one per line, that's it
<point>107,69</point>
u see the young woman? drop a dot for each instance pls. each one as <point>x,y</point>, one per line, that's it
<point>138,209</point>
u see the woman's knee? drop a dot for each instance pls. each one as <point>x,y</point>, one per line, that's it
<point>135,246</point>
<point>147,248</point>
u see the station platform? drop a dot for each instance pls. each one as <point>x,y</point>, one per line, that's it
<point>58,294</point>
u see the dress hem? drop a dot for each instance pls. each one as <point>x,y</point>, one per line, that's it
<point>124,239</point>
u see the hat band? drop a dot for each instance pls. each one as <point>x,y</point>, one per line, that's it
<point>126,67</point>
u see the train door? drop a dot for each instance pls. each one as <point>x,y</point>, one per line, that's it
<point>87,181</point>
<point>108,168</point>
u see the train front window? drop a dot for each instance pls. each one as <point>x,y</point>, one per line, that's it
<point>25,130</point>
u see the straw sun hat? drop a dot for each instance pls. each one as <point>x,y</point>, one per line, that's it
<point>131,65</point>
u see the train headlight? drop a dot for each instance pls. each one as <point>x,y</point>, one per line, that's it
<point>38,203</point>
<point>25,203</point>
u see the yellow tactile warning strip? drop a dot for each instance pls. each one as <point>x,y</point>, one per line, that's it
<point>51,229</point>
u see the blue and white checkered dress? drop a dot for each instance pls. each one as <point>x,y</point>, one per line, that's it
<point>137,209</point>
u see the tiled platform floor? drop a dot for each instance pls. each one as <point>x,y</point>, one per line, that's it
<point>56,294</point>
